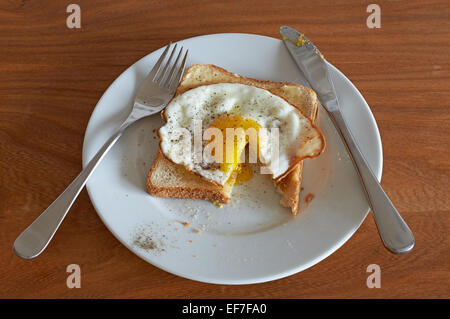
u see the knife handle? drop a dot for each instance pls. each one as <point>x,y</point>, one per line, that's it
<point>394,232</point>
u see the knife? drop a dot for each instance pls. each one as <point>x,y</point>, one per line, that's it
<point>394,232</point>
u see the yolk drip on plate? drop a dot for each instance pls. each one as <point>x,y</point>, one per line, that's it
<point>239,172</point>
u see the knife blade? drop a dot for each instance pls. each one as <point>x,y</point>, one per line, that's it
<point>393,230</point>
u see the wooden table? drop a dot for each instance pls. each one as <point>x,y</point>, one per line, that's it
<point>52,77</point>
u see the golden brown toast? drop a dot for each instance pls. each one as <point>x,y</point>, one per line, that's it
<point>167,179</point>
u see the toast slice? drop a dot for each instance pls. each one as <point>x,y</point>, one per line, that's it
<point>167,179</point>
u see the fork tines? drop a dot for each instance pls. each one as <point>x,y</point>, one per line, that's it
<point>165,75</point>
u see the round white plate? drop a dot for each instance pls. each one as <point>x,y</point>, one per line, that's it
<point>253,239</point>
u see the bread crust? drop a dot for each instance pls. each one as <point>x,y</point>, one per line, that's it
<point>239,77</point>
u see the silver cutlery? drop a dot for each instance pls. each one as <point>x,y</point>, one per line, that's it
<point>393,230</point>
<point>153,95</point>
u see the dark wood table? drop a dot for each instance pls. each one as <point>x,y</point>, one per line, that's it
<point>51,77</point>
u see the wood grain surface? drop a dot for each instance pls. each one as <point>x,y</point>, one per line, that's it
<point>51,77</point>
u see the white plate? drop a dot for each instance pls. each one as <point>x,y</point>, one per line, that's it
<point>253,239</point>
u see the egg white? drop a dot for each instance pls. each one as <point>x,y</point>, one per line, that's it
<point>209,102</point>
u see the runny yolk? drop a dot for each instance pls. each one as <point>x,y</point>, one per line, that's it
<point>239,172</point>
<point>244,173</point>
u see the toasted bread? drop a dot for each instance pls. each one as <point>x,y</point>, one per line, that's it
<point>167,179</point>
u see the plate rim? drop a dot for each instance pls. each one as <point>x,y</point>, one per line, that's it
<point>267,278</point>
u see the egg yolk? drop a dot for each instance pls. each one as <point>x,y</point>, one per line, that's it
<point>239,172</point>
<point>300,41</point>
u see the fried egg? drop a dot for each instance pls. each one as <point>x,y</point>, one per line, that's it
<point>195,119</point>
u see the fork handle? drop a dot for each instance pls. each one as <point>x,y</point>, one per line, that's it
<point>33,240</point>
<point>393,230</point>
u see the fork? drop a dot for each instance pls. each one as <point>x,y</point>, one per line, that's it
<point>153,95</point>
